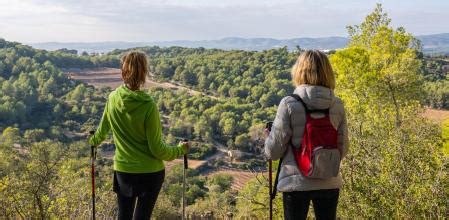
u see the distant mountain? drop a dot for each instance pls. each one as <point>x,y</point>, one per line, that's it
<point>90,47</point>
<point>262,43</point>
<point>435,43</point>
<point>229,43</point>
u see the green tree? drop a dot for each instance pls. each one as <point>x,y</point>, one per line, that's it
<point>253,199</point>
<point>219,200</point>
<point>78,94</point>
<point>34,135</point>
<point>222,181</point>
<point>10,136</point>
<point>394,168</point>
<point>242,142</point>
<point>269,99</point>
<point>202,129</point>
<point>386,59</point>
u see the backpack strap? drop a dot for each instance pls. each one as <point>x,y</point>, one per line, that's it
<point>299,99</point>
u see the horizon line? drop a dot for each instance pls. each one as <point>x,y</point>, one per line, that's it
<point>218,39</point>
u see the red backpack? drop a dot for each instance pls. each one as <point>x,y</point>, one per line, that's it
<point>318,156</point>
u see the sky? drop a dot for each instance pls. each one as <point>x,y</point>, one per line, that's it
<point>32,21</point>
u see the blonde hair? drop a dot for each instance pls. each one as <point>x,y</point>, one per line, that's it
<point>134,69</point>
<point>313,68</point>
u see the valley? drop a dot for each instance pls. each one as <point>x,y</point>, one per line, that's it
<point>111,78</point>
<point>220,100</point>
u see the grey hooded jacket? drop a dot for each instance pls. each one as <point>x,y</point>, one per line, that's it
<point>289,126</point>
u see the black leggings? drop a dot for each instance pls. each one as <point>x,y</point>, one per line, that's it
<point>296,204</point>
<point>137,193</point>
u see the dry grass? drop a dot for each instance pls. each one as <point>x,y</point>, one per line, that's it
<point>98,77</point>
<point>436,115</point>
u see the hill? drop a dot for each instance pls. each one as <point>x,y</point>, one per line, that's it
<point>435,43</point>
<point>432,44</point>
<point>212,97</point>
<point>229,43</point>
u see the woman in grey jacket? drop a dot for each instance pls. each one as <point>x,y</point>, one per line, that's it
<point>314,80</point>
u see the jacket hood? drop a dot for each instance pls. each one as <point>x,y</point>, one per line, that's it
<point>127,100</point>
<point>316,97</point>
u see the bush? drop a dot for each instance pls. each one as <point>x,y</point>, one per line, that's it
<point>200,151</point>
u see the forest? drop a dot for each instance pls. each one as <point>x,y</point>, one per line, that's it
<point>397,165</point>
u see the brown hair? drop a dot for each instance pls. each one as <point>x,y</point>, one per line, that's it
<point>313,68</point>
<point>134,69</point>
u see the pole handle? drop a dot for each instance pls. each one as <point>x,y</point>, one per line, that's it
<point>186,163</point>
<point>93,153</point>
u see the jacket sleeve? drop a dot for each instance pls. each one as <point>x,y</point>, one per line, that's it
<point>278,140</point>
<point>103,129</point>
<point>343,140</point>
<point>153,130</point>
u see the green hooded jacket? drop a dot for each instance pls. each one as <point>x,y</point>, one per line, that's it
<point>133,118</point>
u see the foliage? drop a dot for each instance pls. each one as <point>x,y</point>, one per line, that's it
<point>206,119</point>
<point>437,94</point>
<point>43,180</point>
<point>201,151</point>
<point>253,199</point>
<point>379,69</point>
<point>395,167</point>
<point>445,136</point>
<point>244,75</point>
<point>35,94</point>
<point>435,68</point>
<point>219,200</point>
<point>204,194</point>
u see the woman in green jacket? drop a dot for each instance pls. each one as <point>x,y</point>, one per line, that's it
<point>133,117</point>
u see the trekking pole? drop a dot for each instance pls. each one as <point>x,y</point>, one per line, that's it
<point>268,126</point>
<point>186,166</point>
<point>270,183</point>
<point>93,154</point>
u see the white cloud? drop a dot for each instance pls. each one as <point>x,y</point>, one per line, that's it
<point>27,8</point>
<point>138,20</point>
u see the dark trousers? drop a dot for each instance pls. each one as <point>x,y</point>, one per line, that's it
<point>296,204</point>
<point>137,193</point>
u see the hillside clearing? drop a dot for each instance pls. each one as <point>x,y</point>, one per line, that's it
<point>436,115</point>
<point>111,77</point>
<point>239,177</point>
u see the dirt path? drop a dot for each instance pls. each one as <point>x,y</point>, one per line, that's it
<point>111,77</point>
